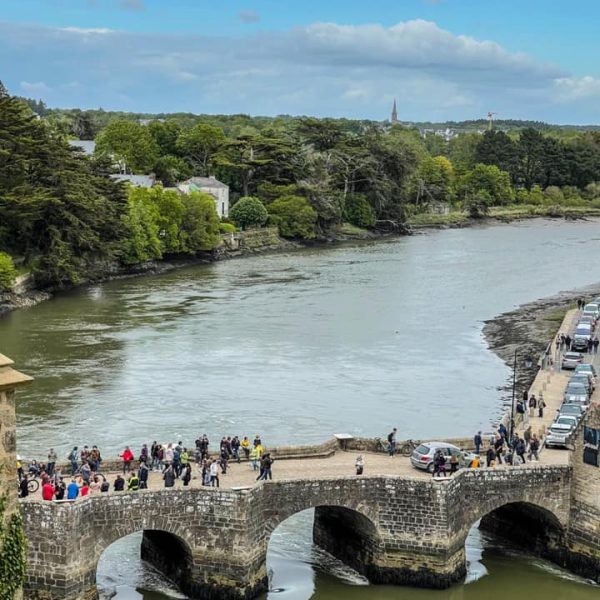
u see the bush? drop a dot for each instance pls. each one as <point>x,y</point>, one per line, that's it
<point>358,211</point>
<point>478,205</point>
<point>227,227</point>
<point>249,212</point>
<point>294,217</point>
<point>8,273</point>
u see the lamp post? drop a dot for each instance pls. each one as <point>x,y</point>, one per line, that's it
<point>511,427</point>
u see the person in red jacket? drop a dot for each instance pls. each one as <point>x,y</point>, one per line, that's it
<point>48,491</point>
<point>127,457</point>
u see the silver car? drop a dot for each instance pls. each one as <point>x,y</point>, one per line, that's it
<point>558,435</point>
<point>422,456</point>
<point>571,359</point>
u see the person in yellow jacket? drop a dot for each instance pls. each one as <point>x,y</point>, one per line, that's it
<point>254,458</point>
<point>245,445</point>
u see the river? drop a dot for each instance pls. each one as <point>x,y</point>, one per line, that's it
<point>295,347</point>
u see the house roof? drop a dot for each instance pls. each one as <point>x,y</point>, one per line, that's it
<point>88,146</point>
<point>206,182</point>
<point>145,181</point>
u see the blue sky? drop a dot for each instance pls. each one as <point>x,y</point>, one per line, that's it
<point>442,59</point>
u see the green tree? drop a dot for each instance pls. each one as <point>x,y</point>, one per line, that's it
<point>8,273</point>
<point>130,143</point>
<point>461,152</point>
<point>434,180</point>
<point>530,151</point>
<point>294,217</point>
<point>171,169</point>
<point>170,219</point>
<point>358,211</point>
<point>142,242</point>
<point>497,148</point>
<point>165,134</point>
<point>248,212</point>
<point>489,179</point>
<point>200,223</point>
<point>200,145</point>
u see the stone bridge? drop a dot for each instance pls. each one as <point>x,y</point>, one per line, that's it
<point>213,543</point>
<point>393,528</point>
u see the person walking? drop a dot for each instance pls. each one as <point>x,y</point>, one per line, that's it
<point>541,405</point>
<point>72,458</point>
<point>169,477</point>
<point>596,343</point>
<point>490,456</point>
<point>532,405</point>
<point>127,456</point>
<point>265,467</point>
<point>520,449</point>
<point>439,464</point>
<point>187,475</point>
<point>52,457</point>
<point>95,459</point>
<point>359,464</point>
<point>143,473</point>
<point>477,442</point>
<point>534,446</point>
<point>527,437</point>
<point>499,449</point>
<point>254,457</point>
<point>214,474</point>
<point>391,438</point>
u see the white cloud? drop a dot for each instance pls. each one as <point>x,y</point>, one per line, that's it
<point>321,69</point>
<point>34,87</point>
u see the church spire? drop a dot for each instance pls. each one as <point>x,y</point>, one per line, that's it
<point>394,118</point>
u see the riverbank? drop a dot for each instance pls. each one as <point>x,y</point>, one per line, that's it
<point>239,245</point>
<point>529,329</point>
<point>501,214</point>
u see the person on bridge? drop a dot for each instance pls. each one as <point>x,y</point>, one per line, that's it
<point>439,464</point>
<point>187,475</point>
<point>254,457</point>
<point>360,464</point>
<point>490,456</point>
<point>72,458</point>
<point>52,458</point>
<point>265,467</point>
<point>119,484</point>
<point>391,438</point>
<point>24,487</point>
<point>541,405</point>
<point>142,473</point>
<point>477,441</point>
<point>72,490</point>
<point>133,484</point>
<point>214,473</point>
<point>245,445</point>
<point>127,457</point>
<point>534,446</point>
<point>520,449</point>
<point>532,405</point>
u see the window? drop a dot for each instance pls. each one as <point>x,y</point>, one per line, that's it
<point>222,209</point>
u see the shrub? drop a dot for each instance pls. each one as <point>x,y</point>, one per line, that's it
<point>8,273</point>
<point>294,217</point>
<point>249,212</point>
<point>358,211</point>
<point>227,227</point>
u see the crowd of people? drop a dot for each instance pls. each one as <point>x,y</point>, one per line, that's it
<point>173,461</point>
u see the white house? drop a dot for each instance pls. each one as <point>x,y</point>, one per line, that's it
<point>209,185</point>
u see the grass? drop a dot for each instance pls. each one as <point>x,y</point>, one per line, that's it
<point>557,316</point>
<point>434,220</point>
<point>349,229</point>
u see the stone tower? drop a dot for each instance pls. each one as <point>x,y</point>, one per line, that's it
<point>9,381</point>
<point>394,118</point>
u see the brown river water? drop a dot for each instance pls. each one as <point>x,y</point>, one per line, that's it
<point>297,346</point>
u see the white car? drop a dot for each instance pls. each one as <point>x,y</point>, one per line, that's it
<point>558,436</point>
<point>570,420</point>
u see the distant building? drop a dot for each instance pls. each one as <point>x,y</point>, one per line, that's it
<point>209,185</point>
<point>143,181</point>
<point>394,118</point>
<point>86,146</point>
<point>146,122</point>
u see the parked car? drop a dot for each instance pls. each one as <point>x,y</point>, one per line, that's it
<point>571,359</point>
<point>591,309</point>
<point>589,320</point>
<point>422,456</point>
<point>576,390</point>
<point>587,368</point>
<point>575,410</point>
<point>580,343</point>
<point>585,379</point>
<point>558,435</point>
<point>570,420</point>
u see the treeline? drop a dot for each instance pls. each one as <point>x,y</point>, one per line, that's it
<point>62,217</point>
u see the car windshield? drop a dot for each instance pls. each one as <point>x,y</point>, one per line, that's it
<point>582,330</point>
<point>575,386</point>
<point>570,409</point>
<point>565,421</point>
<point>580,380</point>
<point>422,449</point>
<point>585,369</point>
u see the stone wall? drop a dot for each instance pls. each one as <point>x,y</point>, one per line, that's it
<point>584,530</point>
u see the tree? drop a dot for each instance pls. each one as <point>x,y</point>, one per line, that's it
<point>199,146</point>
<point>142,242</point>
<point>248,212</point>
<point>530,149</point>
<point>84,126</point>
<point>434,180</point>
<point>489,179</point>
<point>461,151</point>
<point>200,223</point>
<point>165,134</point>
<point>170,218</point>
<point>8,273</point>
<point>358,211</point>
<point>129,143</point>
<point>497,148</point>
<point>294,217</point>
<point>172,169</point>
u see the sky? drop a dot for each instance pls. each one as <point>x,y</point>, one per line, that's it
<point>441,59</point>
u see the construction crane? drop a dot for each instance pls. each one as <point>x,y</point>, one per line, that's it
<point>490,117</point>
